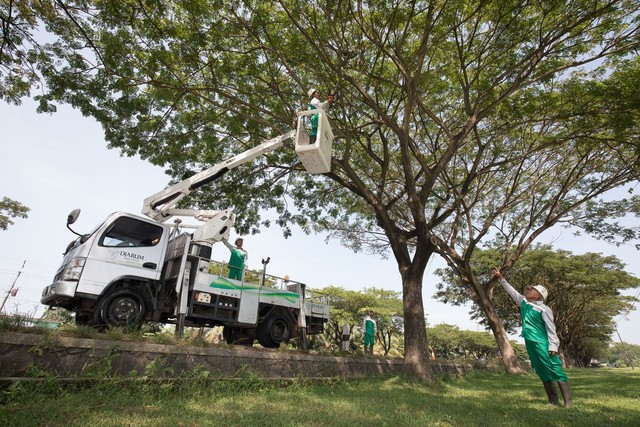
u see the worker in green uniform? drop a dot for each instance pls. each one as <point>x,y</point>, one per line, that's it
<point>540,338</point>
<point>369,328</point>
<point>315,103</point>
<point>238,258</point>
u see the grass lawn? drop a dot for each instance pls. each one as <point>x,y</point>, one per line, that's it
<point>602,397</point>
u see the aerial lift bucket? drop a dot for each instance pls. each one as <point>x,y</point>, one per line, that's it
<point>316,158</point>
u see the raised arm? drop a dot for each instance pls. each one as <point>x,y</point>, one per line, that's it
<point>515,295</point>
<point>227,244</point>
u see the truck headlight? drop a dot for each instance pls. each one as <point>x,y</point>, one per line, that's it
<point>73,270</point>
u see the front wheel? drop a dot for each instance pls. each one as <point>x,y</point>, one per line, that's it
<point>123,308</point>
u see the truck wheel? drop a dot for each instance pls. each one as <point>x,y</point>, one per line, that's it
<point>274,330</point>
<point>235,336</point>
<point>124,308</point>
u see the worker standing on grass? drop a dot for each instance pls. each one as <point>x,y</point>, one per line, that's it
<point>238,258</point>
<point>314,104</point>
<point>370,328</point>
<point>540,338</point>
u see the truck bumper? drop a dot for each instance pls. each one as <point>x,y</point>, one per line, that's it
<point>58,291</point>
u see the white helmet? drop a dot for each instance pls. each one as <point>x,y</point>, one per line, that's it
<point>311,92</point>
<point>542,291</point>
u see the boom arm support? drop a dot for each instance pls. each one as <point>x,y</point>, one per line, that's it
<point>160,206</point>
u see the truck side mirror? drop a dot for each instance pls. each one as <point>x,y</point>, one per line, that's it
<point>73,216</point>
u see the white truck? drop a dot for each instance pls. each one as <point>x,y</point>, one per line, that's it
<point>133,269</point>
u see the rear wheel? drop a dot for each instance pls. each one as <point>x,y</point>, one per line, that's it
<point>123,308</point>
<point>275,329</point>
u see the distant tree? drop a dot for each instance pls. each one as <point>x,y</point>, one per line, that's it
<point>623,354</point>
<point>449,341</point>
<point>345,307</point>
<point>445,340</point>
<point>584,293</point>
<point>11,209</point>
<point>350,307</point>
<point>478,344</point>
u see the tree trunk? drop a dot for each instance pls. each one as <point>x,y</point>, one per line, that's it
<point>509,357</point>
<point>416,351</point>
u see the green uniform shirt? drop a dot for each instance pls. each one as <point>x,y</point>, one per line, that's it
<point>314,121</point>
<point>369,326</point>
<point>533,326</point>
<point>537,319</point>
<point>237,258</point>
<point>236,261</point>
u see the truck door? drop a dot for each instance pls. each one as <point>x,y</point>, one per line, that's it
<point>125,247</point>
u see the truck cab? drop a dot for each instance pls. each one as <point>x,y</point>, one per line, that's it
<point>125,251</point>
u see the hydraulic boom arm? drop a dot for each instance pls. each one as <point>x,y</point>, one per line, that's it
<point>160,206</point>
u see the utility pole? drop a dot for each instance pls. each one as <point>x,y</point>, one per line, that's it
<point>10,291</point>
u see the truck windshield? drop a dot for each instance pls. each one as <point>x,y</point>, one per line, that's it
<point>130,232</point>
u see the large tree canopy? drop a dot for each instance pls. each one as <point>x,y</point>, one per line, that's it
<point>443,107</point>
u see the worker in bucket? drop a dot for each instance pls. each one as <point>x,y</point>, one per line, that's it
<point>314,104</point>
<point>540,338</point>
<point>238,259</point>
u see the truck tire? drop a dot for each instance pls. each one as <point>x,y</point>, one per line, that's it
<point>123,308</point>
<point>275,329</point>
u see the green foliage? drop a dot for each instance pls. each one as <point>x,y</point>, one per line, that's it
<point>623,354</point>
<point>99,366</point>
<point>21,53</point>
<point>78,331</point>
<point>14,323</point>
<point>11,209</point>
<point>449,342</point>
<point>351,307</point>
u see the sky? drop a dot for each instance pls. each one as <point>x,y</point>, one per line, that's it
<point>56,163</point>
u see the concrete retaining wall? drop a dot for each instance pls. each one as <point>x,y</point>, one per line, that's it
<point>72,357</point>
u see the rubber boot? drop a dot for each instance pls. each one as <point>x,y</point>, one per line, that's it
<point>566,394</point>
<point>552,393</point>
